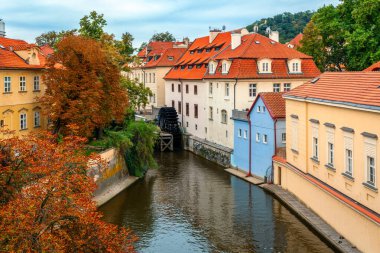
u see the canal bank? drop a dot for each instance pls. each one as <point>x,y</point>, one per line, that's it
<point>316,223</point>
<point>190,204</point>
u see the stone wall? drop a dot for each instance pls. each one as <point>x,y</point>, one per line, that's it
<point>208,150</point>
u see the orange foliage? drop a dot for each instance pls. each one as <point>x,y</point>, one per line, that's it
<point>46,199</point>
<point>85,89</point>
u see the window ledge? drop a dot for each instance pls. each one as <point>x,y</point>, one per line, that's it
<point>8,92</point>
<point>330,167</point>
<point>25,129</point>
<point>225,123</point>
<point>37,126</point>
<point>226,98</point>
<point>37,91</point>
<point>210,96</point>
<point>210,119</point>
<point>348,176</point>
<point>22,91</point>
<point>295,151</point>
<point>370,186</point>
<point>315,160</point>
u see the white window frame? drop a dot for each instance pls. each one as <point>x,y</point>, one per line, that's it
<point>226,90</point>
<point>371,167</point>
<point>315,141</point>
<point>23,121</point>
<point>349,162</point>
<point>257,137</point>
<point>294,134</point>
<point>252,90</point>
<point>265,139</point>
<point>37,119</point>
<point>287,87</point>
<point>258,109</point>
<point>211,116</point>
<point>276,87</point>
<point>22,83</point>
<point>212,68</point>
<point>7,84</point>
<point>224,116</point>
<point>330,154</point>
<point>245,134</point>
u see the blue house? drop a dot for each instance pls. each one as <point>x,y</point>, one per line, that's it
<point>259,134</point>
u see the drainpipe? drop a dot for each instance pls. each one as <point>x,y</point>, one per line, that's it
<point>250,147</point>
<point>275,136</point>
<point>142,69</point>
<point>236,80</point>
<point>182,111</point>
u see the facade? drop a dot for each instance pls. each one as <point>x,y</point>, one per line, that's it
<point>155,61</point>
<point>21,67</point>
<point>257,139</point>
<point>228,70</point>
<point>332,154</point>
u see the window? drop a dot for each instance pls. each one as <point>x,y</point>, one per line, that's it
<point>7,84</point>
<point>36,83</point>
<point>294,134</point>
<point>187,124</point>
<point>259,109</point>
<point>252,90</point>
<point>226,134</point>
<point>224,68</point>
<point>265,67</point>
<point>191,66</point>
<point>211,113</point>
<point>330,159</point>
<point>257,137</point>
<point>22,83</point>
<point>283,137</point>
<point>210,89</point>
<point>371,170</point>
<point>263,109</point>
<point>349,164</point>
<point>295,67</point>
<point>227,90</point>
<point>37,119</point>
<point>183,66</point>
<point>179,87</point>
<point>195,111</point>
<point>150,77</point>
<point>23,121</point>
<point>265,138</point>
<point>206,130</point>
<point>196,127</point>
<point>224,116</point>
<point>154,77</point>
<point>211,68</point>
<point>276,87</point>
<point>240,132</point>
<point>245,134</point>
<point>315,148</point>
<point>173,104</point>
<point>187,109</point>
<point>195,90</point>
<point>179,107</point>
<point>287,87</point>
<point>187,88</point>
<point>172,87</point>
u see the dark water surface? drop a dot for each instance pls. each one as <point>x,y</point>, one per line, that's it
<point>192,205</point>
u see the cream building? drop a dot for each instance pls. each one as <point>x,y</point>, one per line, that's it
<point>154,62</point>
<point>21,68</point>
<point>332,155</point>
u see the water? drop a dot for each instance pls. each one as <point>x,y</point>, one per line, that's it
<point>192,205</point>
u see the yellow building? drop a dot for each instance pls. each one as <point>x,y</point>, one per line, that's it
<point>332,155</point>
<point>21,67</point>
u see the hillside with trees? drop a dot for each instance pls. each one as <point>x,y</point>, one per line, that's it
<point>288,24</point>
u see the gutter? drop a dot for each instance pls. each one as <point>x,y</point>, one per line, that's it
<point>250,147</point>
<point>236,80</point>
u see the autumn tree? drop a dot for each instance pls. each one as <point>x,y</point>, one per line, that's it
<point>164,36</point>
<point>83,87</point>
<point>52,38</point>
<point>46,198</point>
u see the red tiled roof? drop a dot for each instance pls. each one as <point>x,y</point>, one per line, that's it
<point>296,41</point>
<point>360,88</point>
<point>155,48</point>
<point>10,60</point>
<point>47,50</point>
<point>374,67</point>
<point>222,40</point>
<point>244,59</point>
<point>165,58</point>
<point>274,102</point>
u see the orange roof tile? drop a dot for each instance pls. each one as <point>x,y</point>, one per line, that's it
<point>274,102</point>
<point>169,57</point>
<point>296,41</point>
<point>47,50</point>
<point>374,67</point>
<point>360,89</point>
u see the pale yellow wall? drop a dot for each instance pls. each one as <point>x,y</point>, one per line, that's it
<point>360,121</point>
<point>353,226</point>
<point>16,102</point>
<point>157,84</point>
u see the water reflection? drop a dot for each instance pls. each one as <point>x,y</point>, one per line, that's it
<point>192,205</point>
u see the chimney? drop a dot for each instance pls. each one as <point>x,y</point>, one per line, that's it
<point>2,28</point>
<point>235,40</point>
<point>186,41</point>
<point>274,35</point>
<point>213,34</point>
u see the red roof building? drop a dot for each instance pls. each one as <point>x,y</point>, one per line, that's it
<point>295,42</point>
<point>374,67</point>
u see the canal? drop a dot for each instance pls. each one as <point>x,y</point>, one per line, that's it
<point>191,205</point>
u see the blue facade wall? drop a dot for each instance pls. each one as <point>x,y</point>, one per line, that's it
<point>280,129</point>
<point>240,157</point>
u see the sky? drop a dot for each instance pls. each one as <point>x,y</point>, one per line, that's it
<point>26,19</point>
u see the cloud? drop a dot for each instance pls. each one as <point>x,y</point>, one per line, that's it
<point>28,19</point>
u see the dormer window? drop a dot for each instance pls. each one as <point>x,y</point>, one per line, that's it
<point>200,51</point>
<point>192,52</point>
<point>208,50</point>
<point>225,67</point>
<point>170,58</point>
<point>294,66</point>
<point>183,67</point>
<point>191,66</point>
<point>265,66</point>
<point>217,48</point>
<point>199,66</point>
<point>212,67</point>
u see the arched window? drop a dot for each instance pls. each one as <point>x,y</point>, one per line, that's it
<point>224,116</point>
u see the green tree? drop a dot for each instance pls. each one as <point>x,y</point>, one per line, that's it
<point>164,36</point>
<point>92,25</point>
<point>138,94</point>
<point>143,45</point>
<point>52,38</point>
